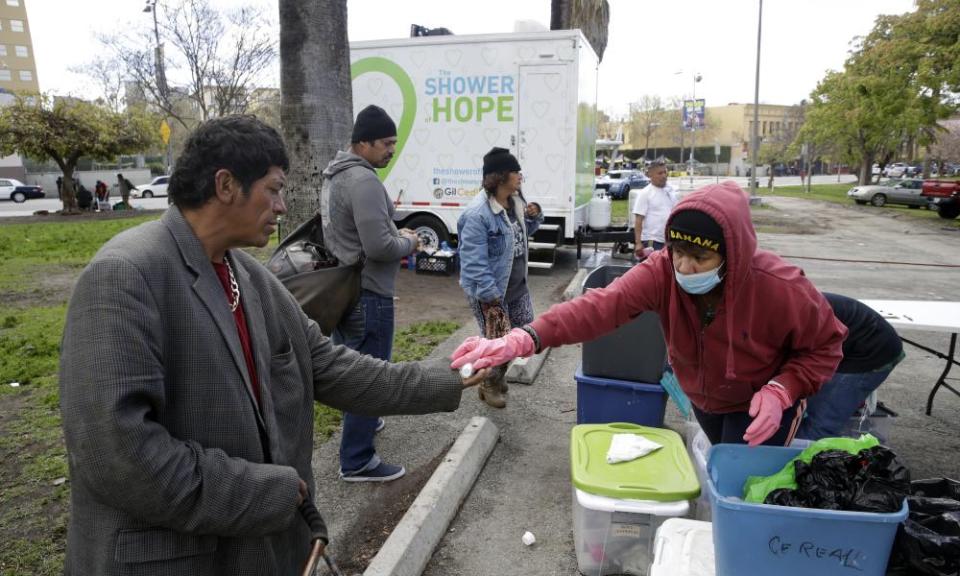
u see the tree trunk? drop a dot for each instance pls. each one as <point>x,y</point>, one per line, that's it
<point>68,196</point>
<point>316,108</point>
<point>592,17</point>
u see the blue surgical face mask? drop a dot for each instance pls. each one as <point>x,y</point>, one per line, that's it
<point>699,283</point>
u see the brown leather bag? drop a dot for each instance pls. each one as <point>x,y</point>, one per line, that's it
<point>325,289</point>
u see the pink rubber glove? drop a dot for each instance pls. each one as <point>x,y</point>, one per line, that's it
<point>483,353</point>
<point>766,409</point>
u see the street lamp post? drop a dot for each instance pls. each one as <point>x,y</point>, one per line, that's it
<point>654,126</point>
<point>756,116</point>
<point>151,7</point>
<point>693,127</point>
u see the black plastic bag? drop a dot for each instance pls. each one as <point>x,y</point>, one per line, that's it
<point>871,481</point>
<point>928,543</point>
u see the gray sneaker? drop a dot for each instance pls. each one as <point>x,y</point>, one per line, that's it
<point>383,472</point>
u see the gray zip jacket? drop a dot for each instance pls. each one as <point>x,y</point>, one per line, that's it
<point>358,217</point>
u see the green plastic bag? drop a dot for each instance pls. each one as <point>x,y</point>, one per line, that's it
<point>756,488</point>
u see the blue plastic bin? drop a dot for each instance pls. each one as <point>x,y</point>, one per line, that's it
<point>761,539</point>
<point>603,400</point>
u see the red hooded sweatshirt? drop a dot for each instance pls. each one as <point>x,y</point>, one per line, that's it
<point>772,324</point>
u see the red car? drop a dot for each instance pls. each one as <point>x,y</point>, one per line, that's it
<point>945,195</point>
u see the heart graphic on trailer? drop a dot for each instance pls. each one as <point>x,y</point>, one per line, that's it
<point>540,108</point>
<point>553,162</point>
<point>566,135</point>
<point>491,135</point>
<point>374,85</point>
<point>445,160</point>
<point>421,135</point>
<point>552,81</point>
<point>455,135</point>
<point>418,57</point>
<point>411,160</point>
<point>530,135</point>
<point>526,53</point>
<point>409,106</point>
<point>541,187</point>
<point>452,56</point>
<point>489,55</point>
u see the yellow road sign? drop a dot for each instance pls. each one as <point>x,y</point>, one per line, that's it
<point>165,131</point>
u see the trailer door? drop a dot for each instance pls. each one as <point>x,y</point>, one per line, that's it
<point>543,135</point>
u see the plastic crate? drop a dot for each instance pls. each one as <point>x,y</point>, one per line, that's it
<point>436,264</point>
<point>603,400</point>
<point>761,539</point>
<point>636,351</point>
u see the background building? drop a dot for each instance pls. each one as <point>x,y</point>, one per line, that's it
<point>728,127</point>
<point>18,69</point>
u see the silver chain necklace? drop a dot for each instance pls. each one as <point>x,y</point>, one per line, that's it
<point>234,287</point>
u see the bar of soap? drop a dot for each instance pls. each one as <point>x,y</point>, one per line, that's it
<point>466,371</point>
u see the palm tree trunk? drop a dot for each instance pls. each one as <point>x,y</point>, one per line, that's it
<point>316,107</point>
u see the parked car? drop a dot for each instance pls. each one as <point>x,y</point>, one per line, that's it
<point>618,183</point>
<point>944,195</point>
<point>906,192</point>
<point>158,187</point>
<point>897,170</point>
<point>12,189</point>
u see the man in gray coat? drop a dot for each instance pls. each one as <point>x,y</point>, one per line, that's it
<point>358,223</point>
<point>190,444</point>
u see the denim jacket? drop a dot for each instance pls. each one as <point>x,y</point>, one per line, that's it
<point>486,245</point>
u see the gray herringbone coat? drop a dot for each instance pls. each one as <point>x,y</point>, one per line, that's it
<point>172,469</point>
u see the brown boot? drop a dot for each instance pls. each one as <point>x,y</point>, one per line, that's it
<point>491,394</point>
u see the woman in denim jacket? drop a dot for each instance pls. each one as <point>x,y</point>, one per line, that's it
<point>493,233</point>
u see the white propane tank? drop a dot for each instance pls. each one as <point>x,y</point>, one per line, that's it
<point>600,211</point>
<point>630,202</point>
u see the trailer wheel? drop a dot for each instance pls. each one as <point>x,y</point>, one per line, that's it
<point>431,230</point>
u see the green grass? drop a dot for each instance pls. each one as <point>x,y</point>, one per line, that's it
<point>410,344</point>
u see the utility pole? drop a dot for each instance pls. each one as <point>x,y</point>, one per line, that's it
<point>693,127</point>
<point>754,199</point>
<point>151,6</point>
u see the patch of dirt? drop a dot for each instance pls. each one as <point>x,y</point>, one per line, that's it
<point>424,298</point>
<point>382,513</point>
<point>776,222</point>
<point>53,286</point>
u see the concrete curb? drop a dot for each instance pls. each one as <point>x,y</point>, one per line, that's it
<point>525,370</point>
<point>410,546</point>
<point>575,287</point>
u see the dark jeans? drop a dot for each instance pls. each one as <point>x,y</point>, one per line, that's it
<point>369,330</point>
<point>830,409</point>
<point>729,428</point>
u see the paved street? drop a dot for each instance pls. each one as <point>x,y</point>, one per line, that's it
<point>52,205</point>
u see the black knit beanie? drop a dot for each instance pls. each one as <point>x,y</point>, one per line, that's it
<point>373,123</point>
<point>499,160</point>
<point>697,228</point>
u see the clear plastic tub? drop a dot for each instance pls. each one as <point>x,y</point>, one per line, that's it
<point>614,536</point>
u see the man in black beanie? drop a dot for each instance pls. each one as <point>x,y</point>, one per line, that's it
<point>358,223</point>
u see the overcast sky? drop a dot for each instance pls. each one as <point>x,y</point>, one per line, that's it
<point>653,48</point>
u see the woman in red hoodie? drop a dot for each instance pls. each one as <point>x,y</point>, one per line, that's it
<point>749,337</point>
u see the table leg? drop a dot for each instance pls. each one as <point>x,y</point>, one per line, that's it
<point>946,370</point>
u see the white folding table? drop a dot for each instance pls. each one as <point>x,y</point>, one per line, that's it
<point>933,316</point>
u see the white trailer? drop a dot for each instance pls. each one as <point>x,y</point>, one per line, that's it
<point>455,97</point>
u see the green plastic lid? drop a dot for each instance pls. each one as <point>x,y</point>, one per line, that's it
<point>664,475</point>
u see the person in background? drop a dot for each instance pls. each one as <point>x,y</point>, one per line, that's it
<point>84,197</point>
<point>492,233</point>
<point>124,186</point>
<point>871,350</point>
<point>190,446</point>
<point>748,336</point>
<point>358,224</point>
<point>652,208</point>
